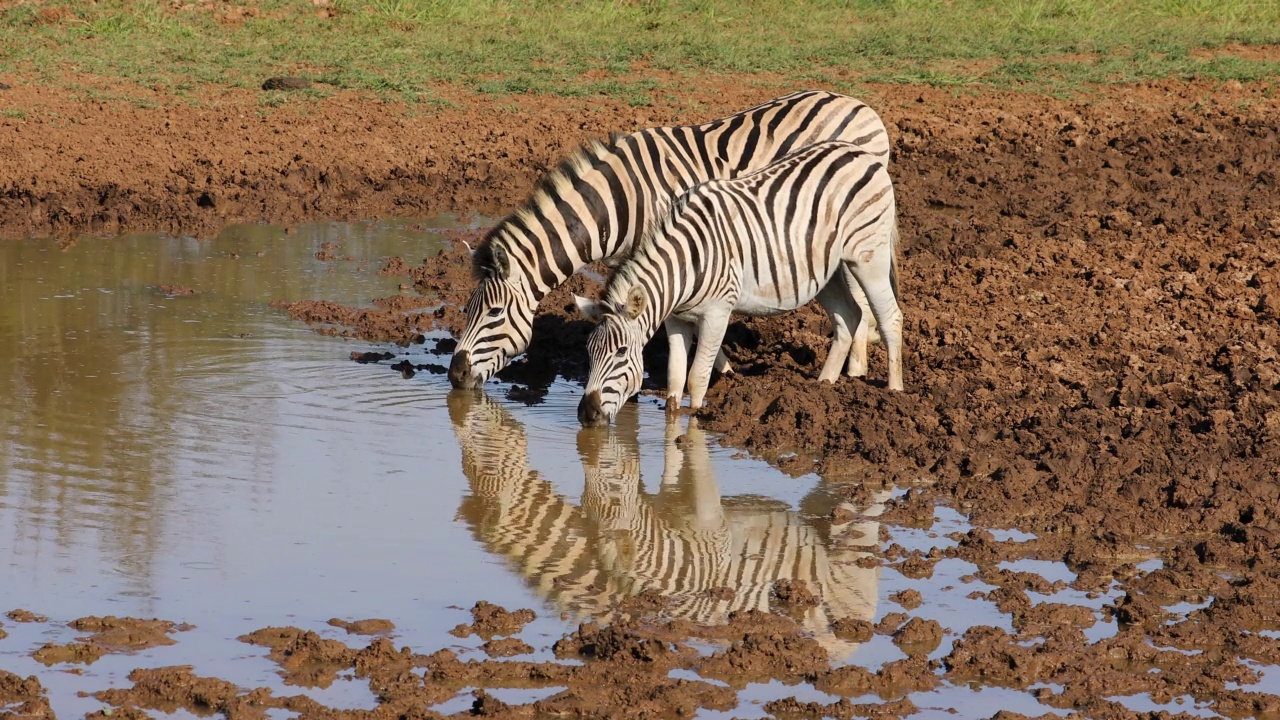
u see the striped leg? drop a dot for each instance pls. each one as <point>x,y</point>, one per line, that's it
<point>711,328</point>
<point>834,298</point>
<point>873,268</point>
<point>679,337</point>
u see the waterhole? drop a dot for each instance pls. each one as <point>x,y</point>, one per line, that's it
<point>174,447</point>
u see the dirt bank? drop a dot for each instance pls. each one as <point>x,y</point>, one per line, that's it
<point>151,160</point>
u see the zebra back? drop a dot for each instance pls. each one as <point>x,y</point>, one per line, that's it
<point>602,198</point>
<point>787,227</point>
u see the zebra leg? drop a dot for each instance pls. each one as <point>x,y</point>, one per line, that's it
<point>873,269</point>
<point>679,337</point>
<point>835,300</point>
<point>858,364</point>
<point>711,328</point>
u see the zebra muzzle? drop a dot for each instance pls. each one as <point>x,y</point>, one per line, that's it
<point>460,370</point>
<point>590,413</point>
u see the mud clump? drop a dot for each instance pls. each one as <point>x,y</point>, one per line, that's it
<point>795,594</point>
<point>109,634</point>
<point>489,620</point>
<point>853,629</point>
<point>364,358</point>
<point>128,634</point>
<point>371,626</point>
<point>762,656</point>
<point>50,654</point>
<point>506,647</point>
<point>167,688</point>
<point>909,598</point>
<point>25,616</point>
<point>395,267</point>
<point>918,636</point>
<point>327,252</point>
<point>616,643</point>
<point>22,698</point>
<point>305,658</point>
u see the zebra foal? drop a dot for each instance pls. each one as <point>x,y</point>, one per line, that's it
<point>605,197</point>
<point>819,223</point>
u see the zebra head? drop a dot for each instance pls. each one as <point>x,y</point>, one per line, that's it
<point>614,350</point>
<point>499,318</point>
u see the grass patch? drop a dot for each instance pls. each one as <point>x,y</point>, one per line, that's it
<point>400,48</point>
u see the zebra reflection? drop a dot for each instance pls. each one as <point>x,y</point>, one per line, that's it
<point>685,541</point>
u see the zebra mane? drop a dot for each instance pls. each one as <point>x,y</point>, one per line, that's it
<point>588,156</point>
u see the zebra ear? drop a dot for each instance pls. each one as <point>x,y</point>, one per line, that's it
<point>490,260</point>
<point>499,260</point>
<point>590,309</point>
<point>636,301</point>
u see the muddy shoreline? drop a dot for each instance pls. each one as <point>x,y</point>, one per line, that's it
<point>1092,295</point>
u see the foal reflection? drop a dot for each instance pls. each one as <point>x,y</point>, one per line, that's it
<point>710,556</point>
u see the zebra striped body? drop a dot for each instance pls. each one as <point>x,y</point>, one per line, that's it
<point>819,223</point>
<point>604,197</point>
<point>683,542</point>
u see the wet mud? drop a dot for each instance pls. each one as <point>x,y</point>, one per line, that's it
<point>105,635</point>
<point>1092,305</point>
<point>623,670</point>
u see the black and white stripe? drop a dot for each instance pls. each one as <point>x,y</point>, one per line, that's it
<point>601,200</point>
<point>820,223</point>
<point>682,542</point>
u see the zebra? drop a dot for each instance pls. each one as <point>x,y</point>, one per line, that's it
<point>819,222</point>
<point>684,542</point>
<point>601,200</point>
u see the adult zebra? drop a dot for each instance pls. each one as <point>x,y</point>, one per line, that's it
<point>818,223</point>
<point>707,556</point>
<point>600,201</point>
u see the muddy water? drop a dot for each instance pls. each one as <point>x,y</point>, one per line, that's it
<point>200,458</point>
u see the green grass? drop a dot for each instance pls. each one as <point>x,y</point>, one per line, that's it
<point>402,48</point>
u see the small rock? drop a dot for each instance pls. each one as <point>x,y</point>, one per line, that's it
<point>286,83</point>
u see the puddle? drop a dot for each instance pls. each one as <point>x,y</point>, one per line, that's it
<point>203,459</point>
<point>1185,704</point>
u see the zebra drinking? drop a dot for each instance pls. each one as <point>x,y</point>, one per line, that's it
<point>818,223</point>
<point>603,197</point>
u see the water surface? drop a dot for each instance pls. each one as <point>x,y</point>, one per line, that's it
<point>202,458</point>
